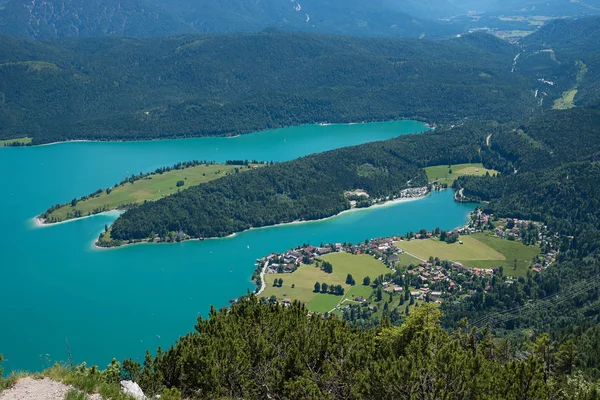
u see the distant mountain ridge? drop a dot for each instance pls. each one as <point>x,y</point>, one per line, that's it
<point>142,18</point>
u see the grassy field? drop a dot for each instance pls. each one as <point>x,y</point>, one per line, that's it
<point>510,250</point>
<point>471,249</point>
<point>151,188</point>
<point>441,173</point>
<point>477,251</point>
<point>404,260</point>
<point>305,276</point>
<point>8,142</point>
<point>566,101</point>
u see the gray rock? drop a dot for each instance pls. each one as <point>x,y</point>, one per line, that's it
<point>132,389</point>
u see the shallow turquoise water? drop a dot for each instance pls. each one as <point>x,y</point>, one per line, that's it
<point>116,303</point>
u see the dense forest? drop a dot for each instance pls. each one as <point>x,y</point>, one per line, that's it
<point>200,85</point>
<point>554,52</point>
<point>308,188</point>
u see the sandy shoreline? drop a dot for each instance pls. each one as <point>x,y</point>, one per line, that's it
<point>378,205</point>
<point>40,223</point>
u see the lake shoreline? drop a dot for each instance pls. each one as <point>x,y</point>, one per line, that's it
<point>41,223</point>
<point>427,125</point>
<point>387,203</point>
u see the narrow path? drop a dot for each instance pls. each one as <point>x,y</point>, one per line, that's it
<point>487,140</point>
<point>263,284</point>
<point>342,302</point>
<point>412,255</point>
<point>39,389</point>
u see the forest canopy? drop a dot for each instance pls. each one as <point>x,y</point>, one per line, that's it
<point>208,85</point>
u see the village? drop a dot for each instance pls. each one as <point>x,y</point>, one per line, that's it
<point>414,277</point>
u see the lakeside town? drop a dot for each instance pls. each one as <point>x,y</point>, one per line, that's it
<point>413,278</point>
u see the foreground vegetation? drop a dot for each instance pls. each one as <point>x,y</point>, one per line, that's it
<point>257,351</point>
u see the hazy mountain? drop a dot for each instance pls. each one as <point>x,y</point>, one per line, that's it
<point>79,18</point>
<point>553,8</point>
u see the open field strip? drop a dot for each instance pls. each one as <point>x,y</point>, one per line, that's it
<point>445,174</point>
<point>479,250</point>
<point>9,142</point>
<point>471,249</point>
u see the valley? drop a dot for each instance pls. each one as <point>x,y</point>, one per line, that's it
<point>450,252</point>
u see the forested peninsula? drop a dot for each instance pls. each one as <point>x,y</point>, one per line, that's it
<point>308,188</point>
<point>224,85</point>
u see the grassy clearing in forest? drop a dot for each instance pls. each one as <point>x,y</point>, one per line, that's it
<point>445,174</point>
<point>10,142</point>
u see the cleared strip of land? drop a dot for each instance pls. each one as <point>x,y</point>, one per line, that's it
<point>447,174</point>
<point>149,188</point>
<point>15,142</point>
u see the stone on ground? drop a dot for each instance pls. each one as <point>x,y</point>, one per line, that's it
<point>132,389</point>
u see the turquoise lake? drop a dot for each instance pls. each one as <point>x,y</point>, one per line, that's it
<point>54,286</point>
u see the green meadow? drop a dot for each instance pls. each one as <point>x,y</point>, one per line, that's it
<point>566,101</point>
<point>150,188</point>
<point>9,142</point>
<point>480,250</point>
<point>305,276</point>
<point>511,250</point>
<point>445,174</point>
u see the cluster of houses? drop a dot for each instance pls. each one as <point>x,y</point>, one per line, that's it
<point>516,229</point>
<point>437,279</point>
<point>433,280</point>
<point>287,262</point>
<point>409,193</point>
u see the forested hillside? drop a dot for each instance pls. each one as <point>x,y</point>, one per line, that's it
<point>305,189</point>
<point>199,85</point>
<point>555,157</point>
<point>567,49</point>
<point>258,351</point>
<point>78,18</point>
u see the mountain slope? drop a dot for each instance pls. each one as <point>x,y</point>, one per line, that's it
<point>569,47</point>
<point>79,18</point>
<point>199,85</point>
